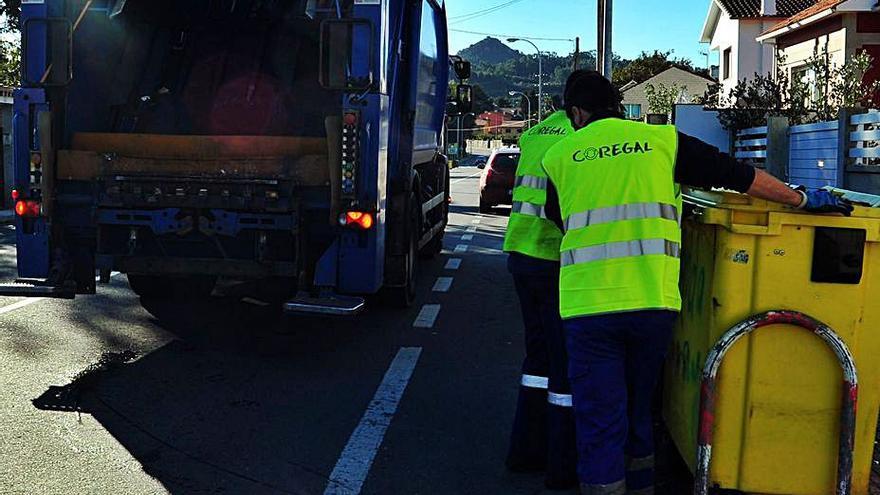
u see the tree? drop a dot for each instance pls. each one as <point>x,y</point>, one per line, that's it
<point>662,98</point>
<point>10,11</point>
<point>839,86</point>
<point>10,63</point>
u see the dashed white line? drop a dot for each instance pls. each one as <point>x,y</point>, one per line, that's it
<point>476,221</point>
<point>427,316</point>
<point>467,237</point>
<point>461,248</point>
<point>354,464</point>
<point>443,284</point>
<point>453,264</point>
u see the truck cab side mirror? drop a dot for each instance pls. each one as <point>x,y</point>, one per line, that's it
<point>339,71</point>
<point>464,98</point>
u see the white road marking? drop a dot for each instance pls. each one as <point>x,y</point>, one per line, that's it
<point>453,264</point>
<point>468,177</point>
<point>461,248</point>
<point>427,316</point>
<point>467,237</point>
<point>354,464</point>
<point>476,221</point>
<point>33,300</point>
<point>443,284</point>
<point>472,229</point>
<point>19,305</point>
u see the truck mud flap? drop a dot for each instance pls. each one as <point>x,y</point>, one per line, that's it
<point>328,305</point>
<point>38,288</point>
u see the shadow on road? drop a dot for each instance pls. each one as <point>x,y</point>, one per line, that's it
<point>244,401</point>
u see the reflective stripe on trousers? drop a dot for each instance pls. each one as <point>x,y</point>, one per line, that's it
<point>618,488</point>
<point>532,381</point>
<point>531,181</point>
<point>560,400</point>
<point>624,249</point>
<point>635,211</point>
<point>530,209</point>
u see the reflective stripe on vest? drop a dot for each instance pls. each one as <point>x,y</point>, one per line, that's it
<point>530,209</point>
<point>559,400</point>
<point>614,250</point>
<point>635,211</point>
<point>532,381</point>
<point>531,181</point>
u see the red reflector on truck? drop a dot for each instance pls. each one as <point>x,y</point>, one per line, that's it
<point>25,208</point>
<point>357,219</point>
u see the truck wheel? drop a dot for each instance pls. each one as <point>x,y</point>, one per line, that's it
<point>485,207</point>
<point>403,297</point>
<point>186,288</point>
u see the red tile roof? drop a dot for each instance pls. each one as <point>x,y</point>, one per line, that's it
<point>821,6</point>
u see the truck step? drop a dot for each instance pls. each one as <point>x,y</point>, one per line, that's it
<point>329,305</point>
<point>38,288</point>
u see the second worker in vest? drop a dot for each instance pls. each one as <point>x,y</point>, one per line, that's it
<point>620,204</point>
<point>543,431</point>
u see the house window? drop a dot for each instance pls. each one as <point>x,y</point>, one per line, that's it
<point>807,77</point>
<point>726,63</point>
<point>633,110</point>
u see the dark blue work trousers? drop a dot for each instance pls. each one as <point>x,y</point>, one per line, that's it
<point>543,434</point>
<point>614,366</point>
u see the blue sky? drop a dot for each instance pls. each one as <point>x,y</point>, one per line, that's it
<point>638,24</point>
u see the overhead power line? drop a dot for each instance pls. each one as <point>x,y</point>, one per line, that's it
<point>480,13</point>
<point>511,36</point>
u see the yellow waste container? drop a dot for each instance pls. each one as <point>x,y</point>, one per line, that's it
<point>779,388</point>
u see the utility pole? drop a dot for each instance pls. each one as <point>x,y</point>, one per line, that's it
<point>605,55</point>
<point>577,54</point>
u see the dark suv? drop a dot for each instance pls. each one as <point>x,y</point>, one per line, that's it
<point>497,180</point>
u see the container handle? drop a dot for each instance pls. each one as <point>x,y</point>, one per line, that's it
<point>708,391</point>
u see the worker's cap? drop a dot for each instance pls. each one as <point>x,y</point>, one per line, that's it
<point>591,91</point>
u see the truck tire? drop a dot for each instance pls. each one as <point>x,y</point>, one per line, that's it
<point>435,246</point>
<point>403,297</point>
<point>179,288</point>
<point>485,207</point>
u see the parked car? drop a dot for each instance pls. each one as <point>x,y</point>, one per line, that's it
<point>497,179</point>
<point>478,161</point>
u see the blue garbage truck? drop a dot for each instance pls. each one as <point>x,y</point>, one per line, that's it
<point>290,146</point>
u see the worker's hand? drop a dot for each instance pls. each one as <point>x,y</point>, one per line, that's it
<point>822,201</point>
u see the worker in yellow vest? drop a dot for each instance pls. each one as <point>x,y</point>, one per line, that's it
<point>615,191</point>
<point>543,428</point>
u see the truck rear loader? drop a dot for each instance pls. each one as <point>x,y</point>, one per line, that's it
<point>293,144</point>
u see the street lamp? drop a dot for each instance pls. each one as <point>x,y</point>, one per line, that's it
<point>529,101</point>
<point>540,76</point>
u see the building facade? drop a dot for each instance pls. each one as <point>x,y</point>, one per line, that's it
<point>731,30</point>
<point>635,96</point>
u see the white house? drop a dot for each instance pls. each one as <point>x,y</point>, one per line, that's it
<point>732,28</point>
<point>690,84</point>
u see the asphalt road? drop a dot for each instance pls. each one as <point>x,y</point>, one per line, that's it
<point>103,396</point>
<point>100,395</point>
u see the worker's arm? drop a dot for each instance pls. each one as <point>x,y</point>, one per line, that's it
<point>700,164</point>
<point>551,208</point>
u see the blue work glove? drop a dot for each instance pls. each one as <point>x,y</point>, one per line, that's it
<point>822,201</point>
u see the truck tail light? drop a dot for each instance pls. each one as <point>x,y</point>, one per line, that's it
<point>27,208</point>
<point>357,219</point>
<point>350,152</point>
<point>15,194</point>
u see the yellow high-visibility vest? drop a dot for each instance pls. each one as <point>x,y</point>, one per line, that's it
<point>621,208</point>
<point>529,232</point>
